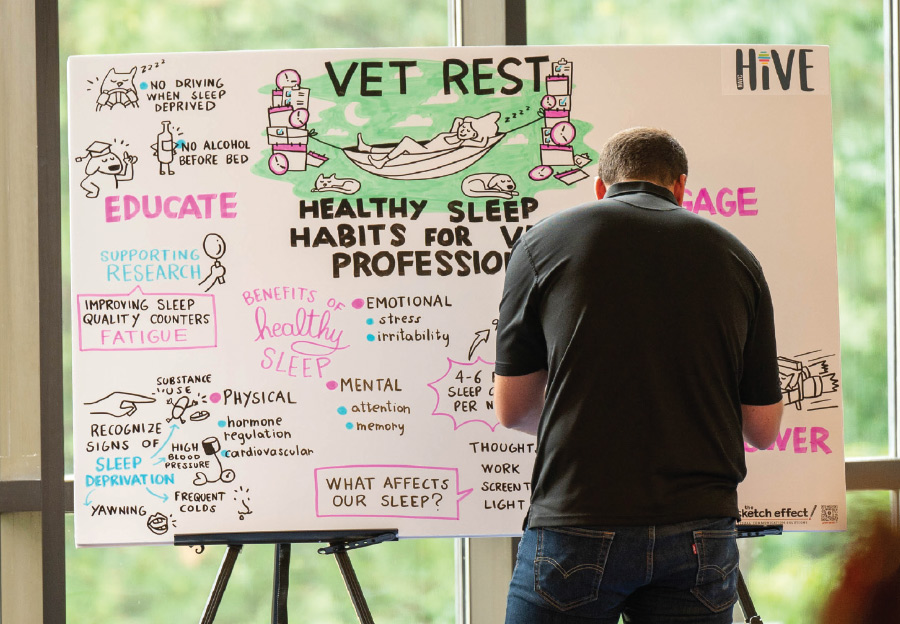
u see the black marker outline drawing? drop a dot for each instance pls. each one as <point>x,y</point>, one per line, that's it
<point>164,149</point>
<point>245,496</point>
<point>158,523</point>
<point>102,161</point>
<point>468,139</point>
<point>212,446</point>
<point>481,337</point>
<point>556,148</point>
<point>288,133</point>
<point>180,408</point>
<point>118,88</point>
<point>126,402</point>
<point>489,185</point>
<point>333,184</point>
<point>214,247</point>
<point>805,377</point>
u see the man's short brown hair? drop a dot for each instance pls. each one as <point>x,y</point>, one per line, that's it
<point>649,154</point>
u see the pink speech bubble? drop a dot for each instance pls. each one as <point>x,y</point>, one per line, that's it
<point>139,321</point>
<point>471,387</point>
<point>386,491</point>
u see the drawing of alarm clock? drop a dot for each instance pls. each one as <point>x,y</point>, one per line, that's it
<point>548,102</point>
<point>562,133</point>
<point>287,78</point>
<point>298,118</point>
<point>278,164</point>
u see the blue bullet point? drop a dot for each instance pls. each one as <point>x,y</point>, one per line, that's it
<point>342,410</point>
<point>370,338</point>
<point>349,425</point>
<point>370,321</point>
<point>144,85</point>
<point>222,423</point>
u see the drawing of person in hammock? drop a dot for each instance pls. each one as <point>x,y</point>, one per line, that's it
<point>480,133</point>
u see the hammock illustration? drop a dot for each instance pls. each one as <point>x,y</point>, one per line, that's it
<point>423,166</point>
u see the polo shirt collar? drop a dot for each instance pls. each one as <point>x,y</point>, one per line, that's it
<point>620,190</point>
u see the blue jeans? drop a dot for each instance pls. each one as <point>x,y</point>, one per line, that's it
<point>684,572</point>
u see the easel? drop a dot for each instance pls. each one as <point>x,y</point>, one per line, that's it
<point>750,614</point>
<point>339,542</point>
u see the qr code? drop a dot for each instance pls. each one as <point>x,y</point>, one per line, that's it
<point>829,513</point>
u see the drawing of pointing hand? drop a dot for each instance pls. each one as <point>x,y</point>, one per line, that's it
<point>119,404</point>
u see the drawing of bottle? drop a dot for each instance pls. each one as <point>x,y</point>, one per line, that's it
<point>165,149</point>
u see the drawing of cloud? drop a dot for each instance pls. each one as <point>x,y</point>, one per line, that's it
<point>441,98</point>
<point>479,375</point>
<point>411,72</point>
<point>414,121</point>
<point>316,106</point>
<point>336,132</point>
<point>352,117</point>
<point>519,139</point>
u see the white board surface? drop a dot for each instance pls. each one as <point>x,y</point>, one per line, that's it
<point>286,267</point>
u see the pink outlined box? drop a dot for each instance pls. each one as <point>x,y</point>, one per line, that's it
<point>437,405</point>
<point>376,491</point>
<point>129,327</point>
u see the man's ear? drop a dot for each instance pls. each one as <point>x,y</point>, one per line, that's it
<point>678,188</point>
<point>599,188</point>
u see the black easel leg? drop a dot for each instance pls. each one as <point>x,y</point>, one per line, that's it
<point>352,583</point>
<point>750,614</point>
<point>215,596</point>
<point>281,583</point>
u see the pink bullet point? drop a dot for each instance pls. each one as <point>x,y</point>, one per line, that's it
<point>215,397</point>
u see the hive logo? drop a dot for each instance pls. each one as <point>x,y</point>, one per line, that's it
<point>781,70</point>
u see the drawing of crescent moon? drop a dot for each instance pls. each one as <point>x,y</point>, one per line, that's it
<point>352,117</point>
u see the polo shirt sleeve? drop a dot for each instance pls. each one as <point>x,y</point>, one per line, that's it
<point>521,348</point>
<point>760,383</point>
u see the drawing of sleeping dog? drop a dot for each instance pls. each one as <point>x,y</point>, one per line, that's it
<point>489,185</point>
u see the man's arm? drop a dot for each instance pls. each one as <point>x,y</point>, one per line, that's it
<point>761,423</point>
<point>519,400</point>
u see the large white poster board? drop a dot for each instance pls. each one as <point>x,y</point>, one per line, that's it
<point>286,268</point>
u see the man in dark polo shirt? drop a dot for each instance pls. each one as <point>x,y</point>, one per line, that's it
<point>636,340</point>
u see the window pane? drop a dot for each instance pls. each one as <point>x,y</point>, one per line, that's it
<point>789,576</point>
<point>854,32</point>
<point>133,26</point>
<point>407,581</point>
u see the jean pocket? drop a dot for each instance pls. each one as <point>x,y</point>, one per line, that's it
<point>717,575</point>
<point>568,565</point>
